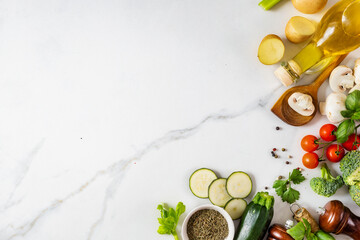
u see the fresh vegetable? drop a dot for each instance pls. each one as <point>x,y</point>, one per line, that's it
<point>351,113</point>
<point>334,153</point>
<point>354,191</point>
<point>256,218</point>
<point>310,143</point>
<point>333,106</point>
<point>352,143</point>
<point>323,235</point>
<point>326,185</point>
<point>301,103</point>
<point>302,229</point>
<point>268,4</point>
<point>235,207</point>
<point>341,79</point>
<point>309,6</point>
<point>239,185</point>
<point>217,192</point>
<point>299,29</point>
<point>283,187</point>
<point>271,49</point>
<point>200,181</point>
<point>169,219</point>
<point>327,132</point>
<point>310,160</point>
<point>350,168</point>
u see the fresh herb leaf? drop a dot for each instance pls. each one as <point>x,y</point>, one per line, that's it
<point>356,116</point>
<point>347,113</point>
<point>352,101</point>
<point>297,231</point>
<point>345,129</point>
<point>308,233</point>
<point>290,195</point>
<point>169,219</point>
<point>296,177</point>
<point>283,187</point>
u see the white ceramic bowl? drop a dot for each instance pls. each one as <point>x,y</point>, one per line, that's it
<point>227,217</point>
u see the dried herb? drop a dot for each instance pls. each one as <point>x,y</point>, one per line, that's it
<point>207,224</point>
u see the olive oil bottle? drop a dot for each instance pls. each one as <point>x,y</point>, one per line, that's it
<point>338,33</point>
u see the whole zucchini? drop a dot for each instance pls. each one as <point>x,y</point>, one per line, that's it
<point>256,218</point>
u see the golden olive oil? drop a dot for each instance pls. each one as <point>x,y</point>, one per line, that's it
<point>338,33</point>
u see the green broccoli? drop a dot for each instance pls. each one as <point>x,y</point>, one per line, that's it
<point>350,167</point>
<point>354,191</point>
<point>326,185</point>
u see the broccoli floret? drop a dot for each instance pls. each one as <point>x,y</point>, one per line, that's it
<point>350,167</point>
<point>354,191</point>
<point>326,185</point>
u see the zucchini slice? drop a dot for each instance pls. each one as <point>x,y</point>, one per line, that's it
<point>200,181</point>
<point>239,185</point>
<point>235,207</point>
<point>217,192</point>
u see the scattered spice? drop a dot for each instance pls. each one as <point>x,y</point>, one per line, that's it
<point>274,149</point>
<point>276,156</point>
<point>266,188</point>
<point>277,128</point>
<point>287,162</point>
<point>283,149</point>
<point>289,156</point>
<point>273,154</point>
<point>207,224</point>
<point>280,177</point>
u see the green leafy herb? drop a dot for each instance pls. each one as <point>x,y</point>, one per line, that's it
<point>169,219</point>
<point>267,4</point>
<point>352,101</point>
<point>351,114</point>
<point>345,129</point>
<point>301,230</point>
<point>283,187</point>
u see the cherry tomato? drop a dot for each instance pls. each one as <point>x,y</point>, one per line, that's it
<point>309,143</point>
<point>350,144</point>
<point>327,132</point>
<point>310,160</point>
<point>334,153</point>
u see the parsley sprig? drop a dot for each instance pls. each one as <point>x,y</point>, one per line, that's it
<point>283,187</point>
<point>169,219</point>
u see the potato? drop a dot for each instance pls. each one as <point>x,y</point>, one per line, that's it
<point>299,29</point>
<point>271,49</point>
<point>309,6</point>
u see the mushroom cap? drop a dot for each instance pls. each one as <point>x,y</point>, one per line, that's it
<point>335,103</point>
<point>301,103</point>
<point>357,71</point>
<point>356,87</point>
<point>341,78</point>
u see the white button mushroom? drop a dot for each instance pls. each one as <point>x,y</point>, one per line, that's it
<point>357,71</point>
<point>341,78</point>
<point>301,103</point>
<point>335,103</point>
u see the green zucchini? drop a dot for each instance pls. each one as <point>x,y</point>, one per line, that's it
<point>256,218</point>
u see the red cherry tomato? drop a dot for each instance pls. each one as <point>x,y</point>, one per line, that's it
<point>350,144</point>
<point>327,132</point>
<point>334,153</point>
<point>310,160</point>
<point>309,143</point>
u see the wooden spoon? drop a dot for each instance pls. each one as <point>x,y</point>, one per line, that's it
<point>282,109</point>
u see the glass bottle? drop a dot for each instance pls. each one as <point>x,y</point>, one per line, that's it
<point>338,33</point>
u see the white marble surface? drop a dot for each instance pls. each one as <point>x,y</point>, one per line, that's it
<point>107,106</point>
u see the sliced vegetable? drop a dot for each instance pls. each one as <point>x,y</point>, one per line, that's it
<point>200,181</point>
<point>299,29</point>
<point>239,185</point>
<point>271,49</point>
<point>256,218</point>
<point>217,192</point>
<point>309,6</point>
<point>235,207</point>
